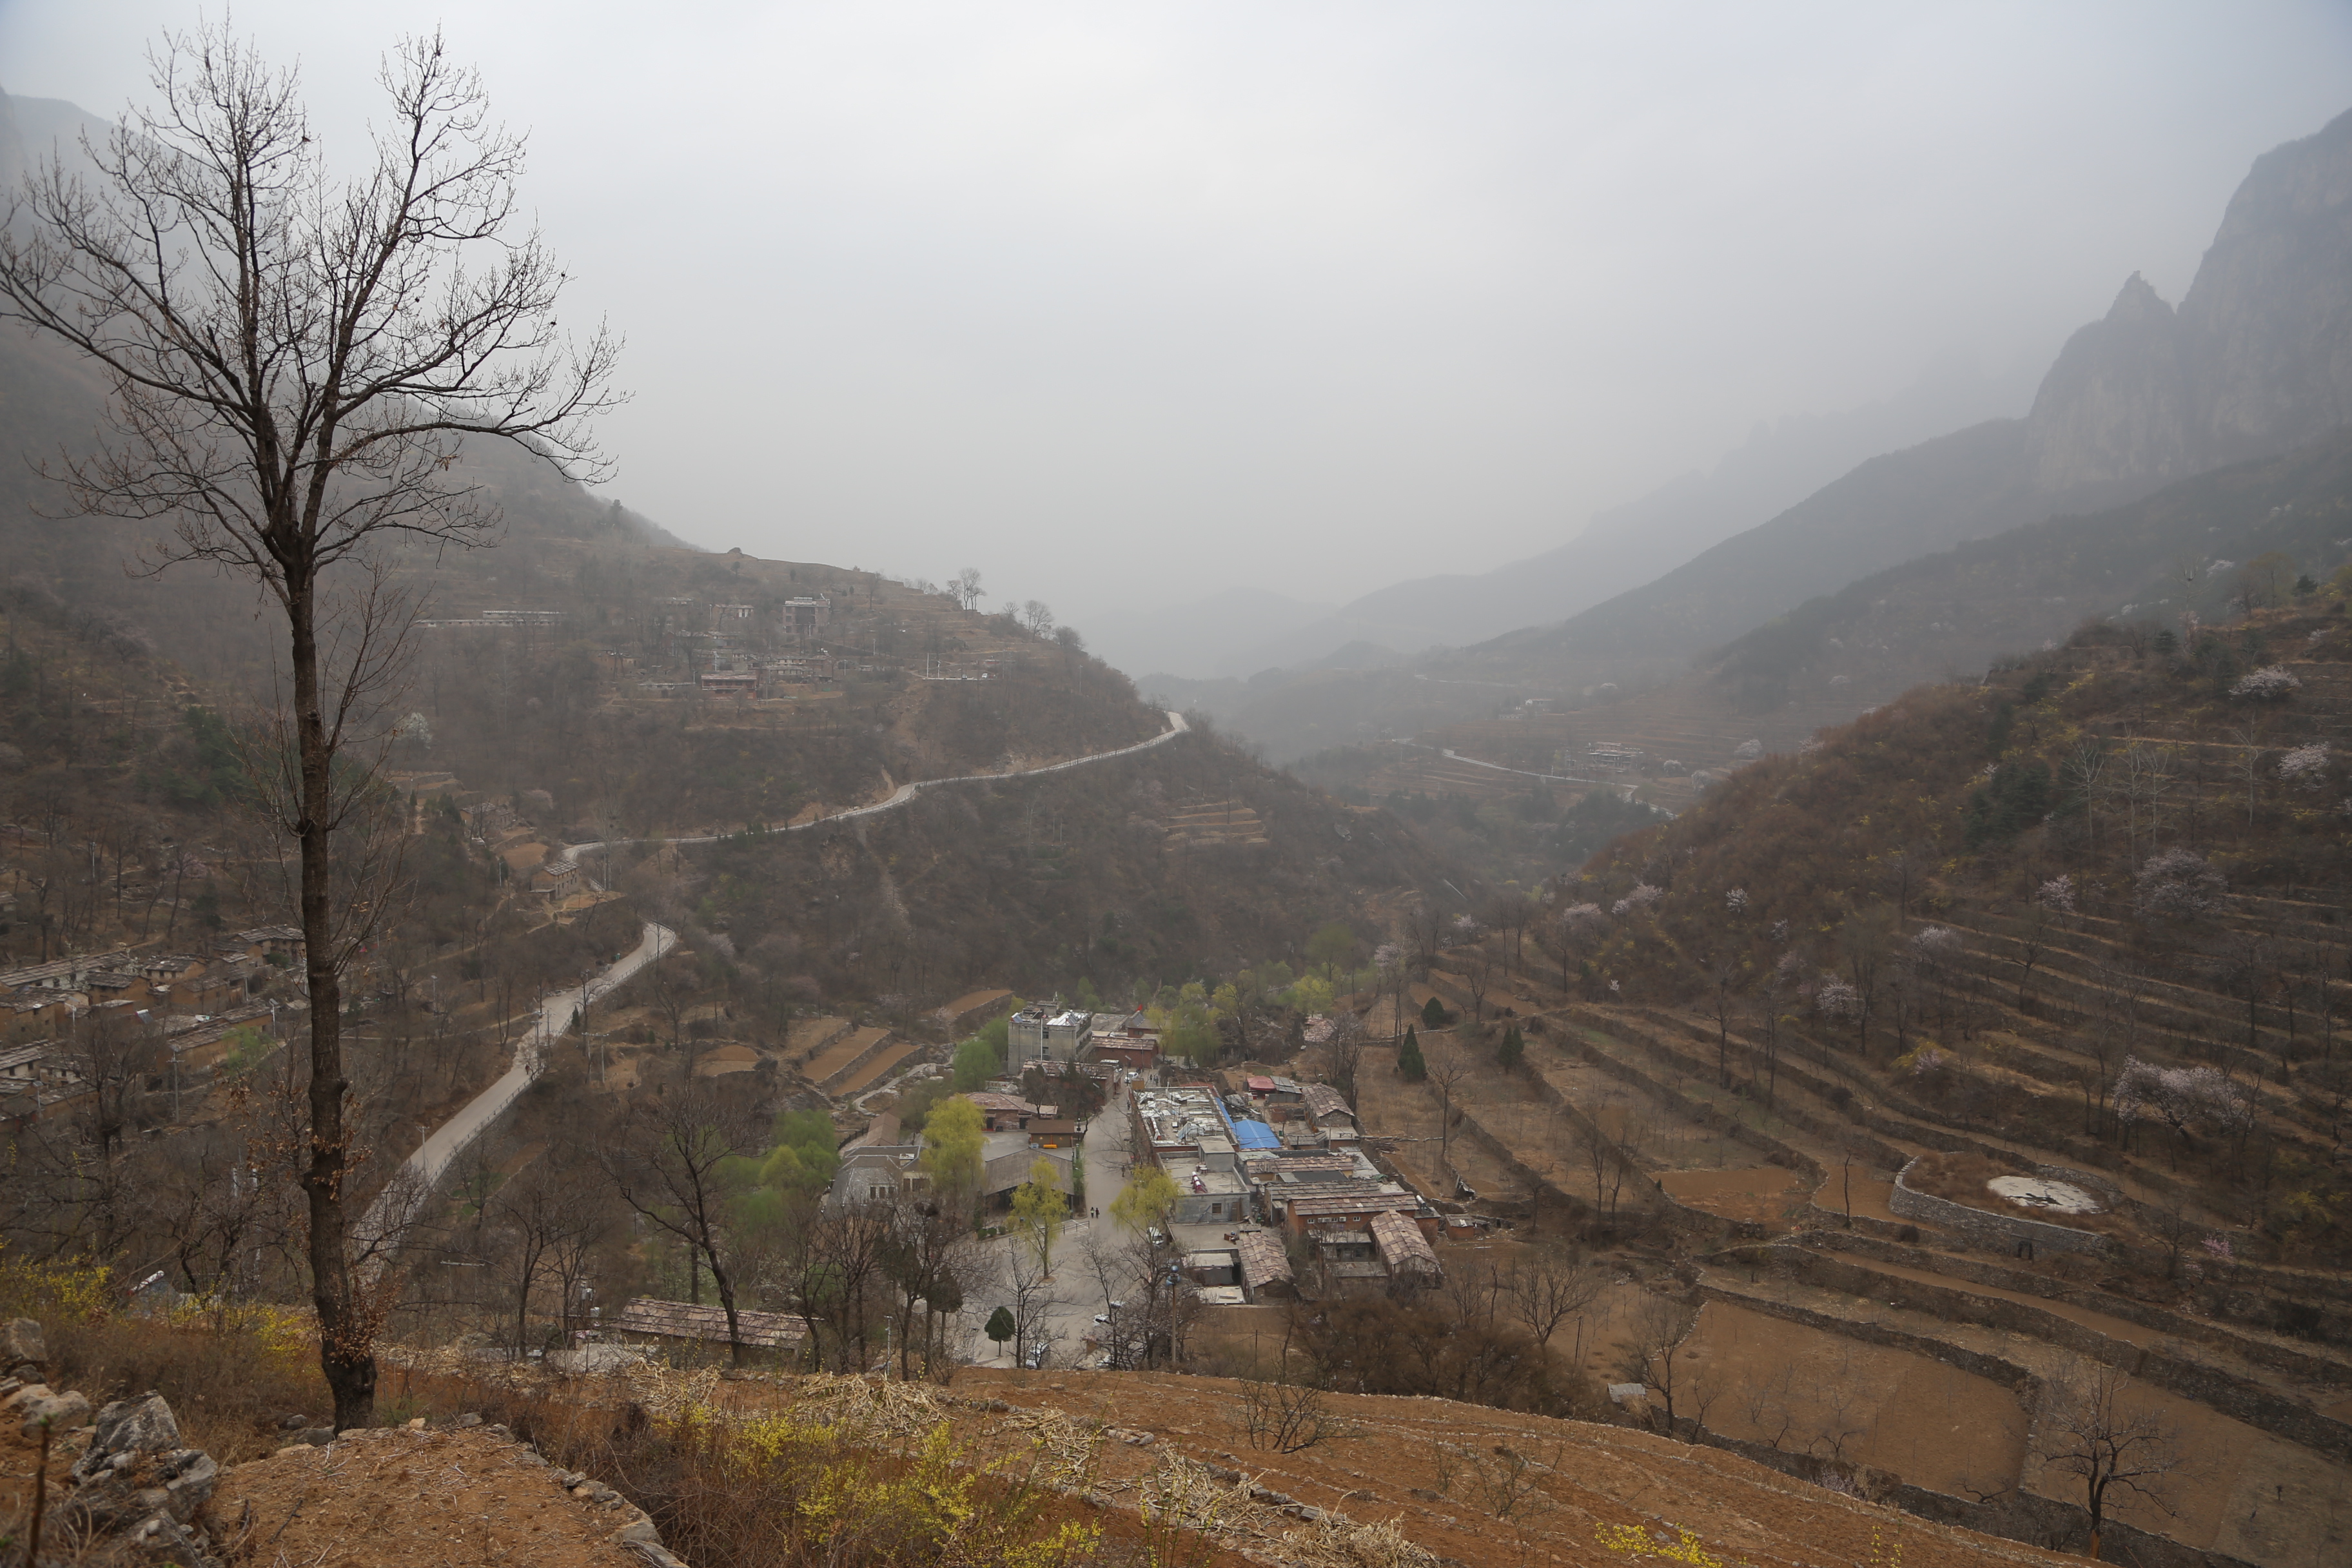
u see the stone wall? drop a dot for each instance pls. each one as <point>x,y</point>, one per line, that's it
<point>2007,1232</point>
<point>2289,1359</point>
<point>2014,1516</point>
<point>2167,1368</point>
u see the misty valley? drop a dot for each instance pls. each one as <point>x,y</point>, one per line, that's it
<point>1794,1025</point>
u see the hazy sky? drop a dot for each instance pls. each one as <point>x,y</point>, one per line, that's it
<point>1118,299</point>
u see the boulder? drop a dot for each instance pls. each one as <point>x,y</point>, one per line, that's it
<point>37,1404</point>
<point>22,1351</point>
<point>127,1427</point>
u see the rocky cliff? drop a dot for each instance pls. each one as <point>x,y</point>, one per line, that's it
<point>2258,359</point>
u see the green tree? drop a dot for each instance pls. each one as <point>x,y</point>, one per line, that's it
<point>1146,1202</point>
<point>1433,1015</point>
<point>1311,995</point>
<point>803,1156</point>
<point>953,1140</point>
<point>1333,947</point>
<point>997,1035</point>
<point>975,1064</point>
<point>1039,1208</point>
<point>1409,1061</point>
<point>1512,1051</point>
<point>1191,1038</point>
<point>999,1327</point>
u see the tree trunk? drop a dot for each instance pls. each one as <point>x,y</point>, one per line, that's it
<point>727,1300</point>
<point>346,1334</point>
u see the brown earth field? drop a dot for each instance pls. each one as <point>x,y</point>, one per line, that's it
<point>1770,1381</point>
<point>2242,1490</point>
<point>1763,1192</point>
<point>1439,1470</point>
<point>1408,1112</point>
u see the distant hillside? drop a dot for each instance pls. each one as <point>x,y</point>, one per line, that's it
<point>1779,464</point>
<point>2134,847</point>
<point>2187,548</point>
<point>2257,360</point>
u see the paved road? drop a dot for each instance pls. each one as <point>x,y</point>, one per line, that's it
<point>1076,1296</point>
<point>423,1171</point>
<point>408,1191</point>
<point>906,792</point>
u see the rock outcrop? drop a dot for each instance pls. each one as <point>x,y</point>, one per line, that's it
<point>2257,360</point>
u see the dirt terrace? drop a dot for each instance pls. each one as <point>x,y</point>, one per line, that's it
<point>392,1497</point>
<point>1481,1485</point>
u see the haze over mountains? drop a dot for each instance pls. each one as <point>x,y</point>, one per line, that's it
<point>1245,630</point>
<point>2256,361</point>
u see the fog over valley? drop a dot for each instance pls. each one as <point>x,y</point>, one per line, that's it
<point>910,785</point>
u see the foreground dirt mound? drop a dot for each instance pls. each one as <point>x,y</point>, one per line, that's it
<point>1478,1485</point>
<point>397,1497</point>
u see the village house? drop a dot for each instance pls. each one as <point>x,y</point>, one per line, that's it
<point>1053,1132</point>
<point>876,1173</point>
<point>1127,1040</point>
<point>733,683</point>
<point>1007,1112</point>
<point>1007,1160</point>
<point>645,1320</point>
<point>1328,1112</point>
<point>805,617</point>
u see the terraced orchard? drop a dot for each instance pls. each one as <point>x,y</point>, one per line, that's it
<point>1992,1039</point>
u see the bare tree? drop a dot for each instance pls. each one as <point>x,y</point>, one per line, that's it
<point>1653,1338</point>
<point>1720,975</point>
<point>293,367</point>
<point>664,1158</point>
<point>1449,1064</point>
<point>2084,771</point>
<point>965,589</point>
<point>1548,1287</point>
<point>1287,1414</point>
<point>2246,763</point>
<point>2093,1429</point>
<point>539,1220</point>
<point>1480,969</point>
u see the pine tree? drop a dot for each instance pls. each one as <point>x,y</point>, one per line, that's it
<point>1409,1062</point>
<point>1435,1014</point>
<point>1000,1328</point>
<point>1513,1050</point>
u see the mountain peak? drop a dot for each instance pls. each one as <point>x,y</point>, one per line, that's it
<point>2137,301</point>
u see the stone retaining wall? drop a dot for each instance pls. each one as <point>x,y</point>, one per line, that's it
<point>2232,1395</point>
<point>2004,1231</point>
<point>2261,1353</point>
<point>2013,1516</point>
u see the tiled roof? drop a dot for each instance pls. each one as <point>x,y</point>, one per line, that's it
<point>1401,1246</point>
<point>1264,1262</point>
<point>686,1320</point>
<point>1323,1100</point>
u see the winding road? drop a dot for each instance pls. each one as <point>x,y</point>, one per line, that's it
<point>404,1196</point>
<point>906,792</point>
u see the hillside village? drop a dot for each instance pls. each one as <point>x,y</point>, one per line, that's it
<point>1831,1056</point>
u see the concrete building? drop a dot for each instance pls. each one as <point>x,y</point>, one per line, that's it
<point>1008,1158</point>
<point>1043,1034</point>
<point>805,617</point>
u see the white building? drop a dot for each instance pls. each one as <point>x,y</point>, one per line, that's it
<point>1042,1034</point>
